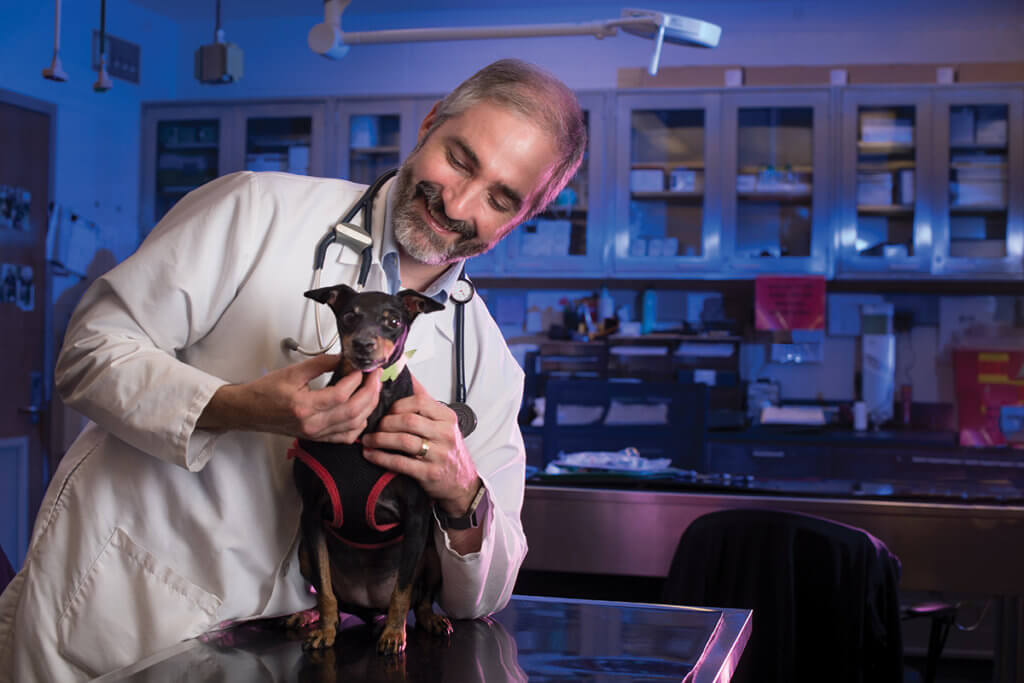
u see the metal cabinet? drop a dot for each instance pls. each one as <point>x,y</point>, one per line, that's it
<point>885,197</point>
<point>186,145</point>
<point>979,207</point>
<point>777,214</point>
<point>667,185</point>
<point>568,238</point>
<point>374,135</point>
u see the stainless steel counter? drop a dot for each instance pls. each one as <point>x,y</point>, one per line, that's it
<point>943,546</point>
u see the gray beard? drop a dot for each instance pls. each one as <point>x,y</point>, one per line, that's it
<point>416,238</point>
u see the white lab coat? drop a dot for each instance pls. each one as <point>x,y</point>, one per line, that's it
<point>153,531</point>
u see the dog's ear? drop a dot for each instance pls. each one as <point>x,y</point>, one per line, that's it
<point>336,296</point>
<point>416,303</point>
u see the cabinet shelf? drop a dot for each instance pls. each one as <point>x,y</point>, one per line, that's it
<point>666,165</point>
<point>787,197</point>
<point>388,149</point>
<point>667,194</point>
<point>178,146</point>
<point>981,147</point>
<point>886,209</point>
<point>885,148</point>
<point>883,166</point>
<point>977,208</point>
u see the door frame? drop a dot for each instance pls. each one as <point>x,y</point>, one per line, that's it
<point>40,471</point>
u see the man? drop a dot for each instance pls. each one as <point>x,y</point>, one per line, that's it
<point>175,512</point>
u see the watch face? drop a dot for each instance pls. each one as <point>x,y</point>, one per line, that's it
<point>462,292</point>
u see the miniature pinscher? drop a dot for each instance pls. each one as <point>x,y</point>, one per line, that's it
<point>366,541</point>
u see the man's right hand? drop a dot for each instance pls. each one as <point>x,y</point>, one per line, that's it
<point>281,402</point>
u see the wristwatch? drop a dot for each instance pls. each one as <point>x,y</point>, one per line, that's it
<point>474,515</point>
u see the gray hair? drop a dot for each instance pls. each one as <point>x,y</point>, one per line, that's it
<point>533,92</point>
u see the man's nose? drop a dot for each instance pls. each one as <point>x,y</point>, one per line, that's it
<point>459,199</point>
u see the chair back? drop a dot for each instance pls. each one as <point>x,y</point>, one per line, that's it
<point>825,595</point>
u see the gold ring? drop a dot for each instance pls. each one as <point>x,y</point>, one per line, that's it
<point>424,449</point>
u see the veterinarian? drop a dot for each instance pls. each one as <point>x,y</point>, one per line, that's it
<point>175,512</point>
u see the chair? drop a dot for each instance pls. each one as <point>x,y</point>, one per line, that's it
<point>825,595</point>
<point>660,420</point>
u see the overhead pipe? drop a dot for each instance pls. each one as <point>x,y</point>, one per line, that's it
<point>55,72</point>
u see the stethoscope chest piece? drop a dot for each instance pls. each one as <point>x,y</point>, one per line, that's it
<point>466,417</point>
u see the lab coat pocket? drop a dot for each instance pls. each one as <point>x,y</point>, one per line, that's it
<point>129,605</point>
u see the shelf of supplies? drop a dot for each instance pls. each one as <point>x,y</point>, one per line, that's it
<point>784,197</point>
<point>977,208</point>
<point>884,147</point>
<point>386,149</point>
<point>886,209</point>
<point>667,194</point>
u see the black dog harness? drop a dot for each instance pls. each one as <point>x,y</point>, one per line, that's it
<point>353,496</point>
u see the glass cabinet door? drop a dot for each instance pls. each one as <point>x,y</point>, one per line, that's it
<point>885,196</point>
<point>566,237</point>
<point>375,136</point>
<point>183,147</point>
<point>979,226</point>
<point>776,210</point>
<point>666,184</point>
<point>284,137</point>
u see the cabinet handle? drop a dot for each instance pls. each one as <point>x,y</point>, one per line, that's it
<point>768,454</point>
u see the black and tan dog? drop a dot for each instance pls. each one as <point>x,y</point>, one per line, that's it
<point>366,532</point>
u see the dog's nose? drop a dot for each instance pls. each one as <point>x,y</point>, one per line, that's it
<point>365,346</point>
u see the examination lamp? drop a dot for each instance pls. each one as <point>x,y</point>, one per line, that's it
<point>327,38</point>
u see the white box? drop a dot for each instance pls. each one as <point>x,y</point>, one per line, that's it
<point>683,180</point>
<point>646,180</point>
<point>990,131</point>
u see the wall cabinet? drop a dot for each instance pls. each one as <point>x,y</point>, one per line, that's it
<point>849,182</point>
<point>185,145</point>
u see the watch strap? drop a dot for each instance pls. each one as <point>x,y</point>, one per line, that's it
<point>473,516</point>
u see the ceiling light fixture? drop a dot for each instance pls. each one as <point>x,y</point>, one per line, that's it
<point>219,63</point>
<point>55,72</point>
<point>103,82</point>
<point>327,38</point>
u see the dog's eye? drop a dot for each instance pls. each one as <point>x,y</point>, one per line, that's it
<point>349,320</point>
<point>390,321</point>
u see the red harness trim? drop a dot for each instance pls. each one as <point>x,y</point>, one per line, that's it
<point>309,461</point>
<point>363,546</point>
<point>371,503</point>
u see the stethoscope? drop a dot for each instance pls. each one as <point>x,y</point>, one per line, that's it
<point>360,239</point>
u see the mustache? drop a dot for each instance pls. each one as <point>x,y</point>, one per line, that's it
<point>435,205</point>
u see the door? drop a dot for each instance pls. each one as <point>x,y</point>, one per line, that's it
<point>25,137</point>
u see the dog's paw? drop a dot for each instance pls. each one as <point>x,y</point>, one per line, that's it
<point>301,620</point>
<point>435,624</point>
<point>319,638</point>
<point>392,640</point>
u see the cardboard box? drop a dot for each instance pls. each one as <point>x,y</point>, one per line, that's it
<point>674,77</point>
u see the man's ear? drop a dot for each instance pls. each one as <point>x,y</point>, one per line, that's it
<point>415,303</point>
<point>336,296</point>
<point>428,121</point>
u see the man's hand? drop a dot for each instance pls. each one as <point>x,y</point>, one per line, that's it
<point>446,472</point>
<point>281,402</point>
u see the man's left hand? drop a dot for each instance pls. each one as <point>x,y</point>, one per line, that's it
<point>445,471</point>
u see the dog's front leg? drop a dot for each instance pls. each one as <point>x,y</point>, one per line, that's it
<point>414,541</point>
<point>323,635</point>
